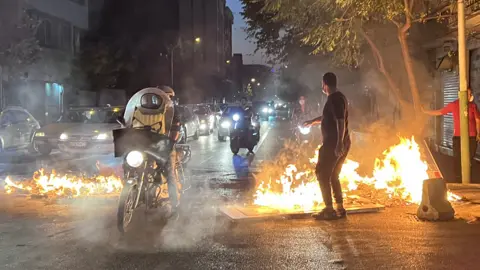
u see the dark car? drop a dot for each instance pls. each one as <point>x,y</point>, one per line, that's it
<point>206,118</point>
<point>263,109</point>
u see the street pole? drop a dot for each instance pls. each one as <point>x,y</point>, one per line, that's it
<point>462,94</point>
<point>171,66</point>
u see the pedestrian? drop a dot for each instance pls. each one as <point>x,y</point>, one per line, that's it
<point>473,129</point>
<point>336,144</point>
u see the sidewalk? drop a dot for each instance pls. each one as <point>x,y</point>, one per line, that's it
<point>445,164</point>
<point>469,209</point>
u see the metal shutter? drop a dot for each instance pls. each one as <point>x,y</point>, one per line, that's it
<point>450,93</point>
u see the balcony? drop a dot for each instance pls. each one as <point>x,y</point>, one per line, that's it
<point>472,10</point>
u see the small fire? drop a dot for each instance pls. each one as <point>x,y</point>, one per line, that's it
<point>398,175</point>
<point>53,184</point>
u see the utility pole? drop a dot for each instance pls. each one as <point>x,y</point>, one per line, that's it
<point>171,65</point>
<point>462,94</point>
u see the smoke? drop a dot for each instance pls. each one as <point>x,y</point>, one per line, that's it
<point>197,221</point>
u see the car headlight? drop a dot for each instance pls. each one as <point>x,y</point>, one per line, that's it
<point>202,121</point>
<point>236,117</point>
<point>203,126</point>
<point>270,110</point>
<point>39,134</point>
<point>304,130</point>
<point>63,136</point>
<point>225,124</point>
<point>265,110</point>
<point>101,136</point>
<point>134,159</point>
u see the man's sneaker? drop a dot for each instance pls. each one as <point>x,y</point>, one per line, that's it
<point>341,212</point>
<point>325,214</point>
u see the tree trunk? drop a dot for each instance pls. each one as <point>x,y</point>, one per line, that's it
<point>407,60</point>
<point>381,67</point>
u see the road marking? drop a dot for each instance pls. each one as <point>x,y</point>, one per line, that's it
<point>262,139</point>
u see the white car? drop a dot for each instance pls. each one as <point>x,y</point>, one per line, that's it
<point>17,128</point>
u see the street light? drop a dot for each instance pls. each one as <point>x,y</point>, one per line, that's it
<point>258,84</point>
<point>198,40</point>
<point>228,61</point>
<point>253,80</point>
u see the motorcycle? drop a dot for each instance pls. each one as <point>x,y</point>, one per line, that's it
<point>244,133</point>
<point>145,181</point>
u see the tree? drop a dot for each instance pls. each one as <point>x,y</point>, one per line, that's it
<point>344,28</point>
<point>19,46</point>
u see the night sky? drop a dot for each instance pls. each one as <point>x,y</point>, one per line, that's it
<point>240,45</point>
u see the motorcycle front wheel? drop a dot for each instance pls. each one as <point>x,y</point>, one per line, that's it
<point>125,207</point>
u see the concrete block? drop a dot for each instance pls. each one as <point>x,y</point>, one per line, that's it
<point>435,205</point>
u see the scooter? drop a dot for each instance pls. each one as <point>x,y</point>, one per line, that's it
<point>245,133</point>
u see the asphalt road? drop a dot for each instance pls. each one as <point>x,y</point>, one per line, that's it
<point>81,233</point>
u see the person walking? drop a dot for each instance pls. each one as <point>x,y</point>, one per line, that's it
<point>473,130</point>
<point>336,144</point>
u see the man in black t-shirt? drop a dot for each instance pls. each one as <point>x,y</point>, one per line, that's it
<point>336,144</point>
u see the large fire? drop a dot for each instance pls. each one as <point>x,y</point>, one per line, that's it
<point>56,185</point>
<point>399,175</point>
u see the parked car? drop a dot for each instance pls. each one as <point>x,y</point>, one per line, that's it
<point>80,130</point>
<point>190,123</point>
<point>17,128</point>
<point>206,118</point>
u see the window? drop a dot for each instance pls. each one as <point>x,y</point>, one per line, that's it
<point>79,2</point>
<point>66,37</point>
<point>21,117</point>
<point>44,34</point>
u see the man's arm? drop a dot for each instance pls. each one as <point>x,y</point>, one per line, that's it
<point>445,110</point>
<point>314,121</point>
<point>340,111</point>
<point>477,122</point>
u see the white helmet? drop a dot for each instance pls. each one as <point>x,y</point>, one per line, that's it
<point>168,90</point>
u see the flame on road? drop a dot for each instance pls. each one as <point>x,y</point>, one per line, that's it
<point>398,175</point>
<point>53,184</point>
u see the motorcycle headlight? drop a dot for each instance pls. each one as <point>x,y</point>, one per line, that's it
<point>304,130</point>
<point>101,136</point>
<point>236,117</point>
<point>265,110</point>
<point>202,121</point>
<point>134,159</point>
<point>63,136</point>
<point>270,110</point>
<point>225,124</point>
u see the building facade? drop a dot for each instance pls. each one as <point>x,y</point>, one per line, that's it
<point>444,55</point>
<point>61,26</point>
<point>205,32</point>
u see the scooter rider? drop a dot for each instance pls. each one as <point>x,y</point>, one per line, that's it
<point>153,107</point>
<point>174,134</point>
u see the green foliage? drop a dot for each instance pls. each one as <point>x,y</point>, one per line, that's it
<point>19,47</point>
<point>101,63</point>
<point>333,27</point>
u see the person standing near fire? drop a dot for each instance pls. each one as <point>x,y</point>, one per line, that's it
<point>336,144</point>
<point>473,129</point>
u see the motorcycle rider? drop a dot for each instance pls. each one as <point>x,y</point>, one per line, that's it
<point>170,128</point>
<point>174,134</point>
<point>251,115</point>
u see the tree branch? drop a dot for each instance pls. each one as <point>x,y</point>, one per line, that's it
<point>408,18</point>
<point>436,17</point>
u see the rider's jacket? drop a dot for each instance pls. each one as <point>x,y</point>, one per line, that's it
<point>160,118</point>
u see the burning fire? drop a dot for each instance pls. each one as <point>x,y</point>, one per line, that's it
<point>399,175</point>
<point>53,184</point>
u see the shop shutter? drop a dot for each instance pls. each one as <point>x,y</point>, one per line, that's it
<point>450,93</point>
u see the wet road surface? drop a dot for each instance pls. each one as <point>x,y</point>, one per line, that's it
<point>82,234</point>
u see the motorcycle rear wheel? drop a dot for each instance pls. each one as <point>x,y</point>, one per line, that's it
<point>125,208</point>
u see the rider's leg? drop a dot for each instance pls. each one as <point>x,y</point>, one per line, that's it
<point>173,181</point>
